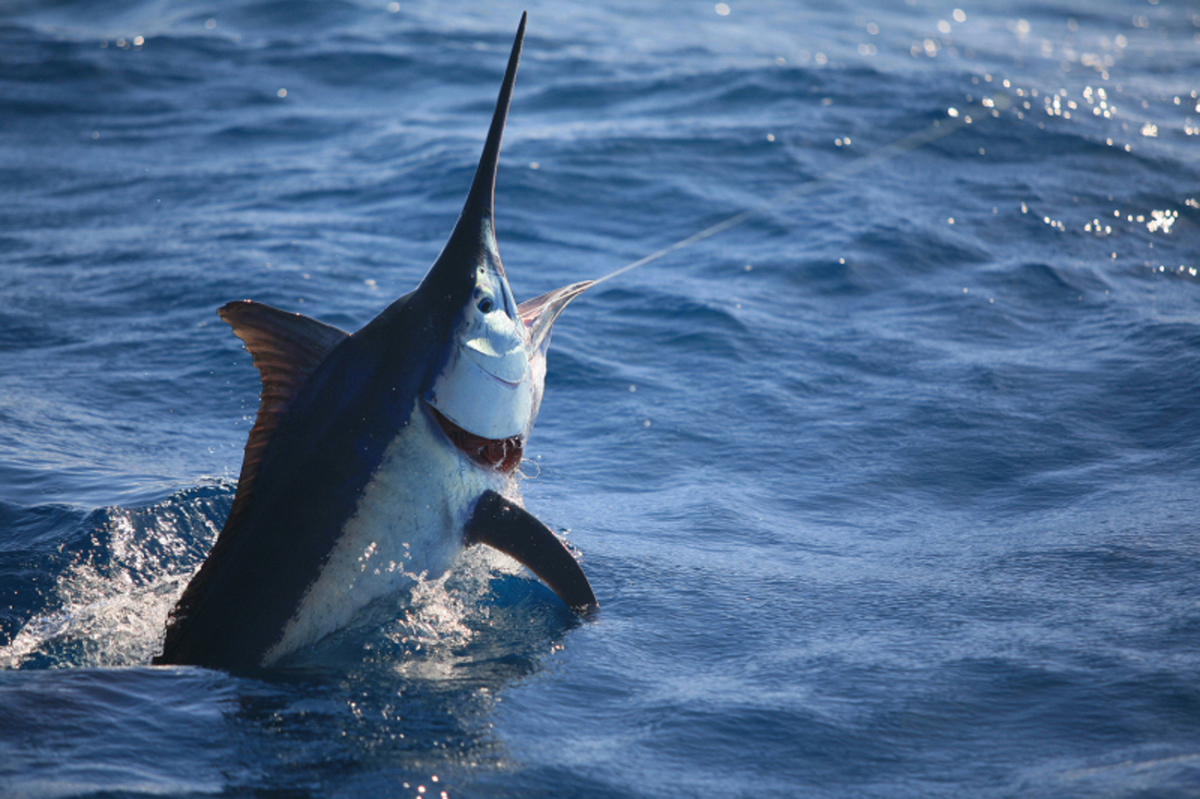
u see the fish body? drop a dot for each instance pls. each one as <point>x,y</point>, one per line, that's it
<point>377,456</point>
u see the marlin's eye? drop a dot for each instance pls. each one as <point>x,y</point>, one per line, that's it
<point>485,305</point>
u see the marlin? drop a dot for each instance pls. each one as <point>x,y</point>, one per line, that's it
<point>381,454</point>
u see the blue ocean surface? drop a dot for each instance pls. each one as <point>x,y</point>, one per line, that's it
<point>885,473</point>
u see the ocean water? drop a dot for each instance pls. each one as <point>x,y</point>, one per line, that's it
<point>887,483</point>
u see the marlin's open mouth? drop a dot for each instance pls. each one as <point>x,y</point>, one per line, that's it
<point>501,454</point>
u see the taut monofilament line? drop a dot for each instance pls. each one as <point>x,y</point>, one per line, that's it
<point>938,130</point>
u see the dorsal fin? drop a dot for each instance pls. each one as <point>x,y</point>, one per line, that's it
<point>287,348</point>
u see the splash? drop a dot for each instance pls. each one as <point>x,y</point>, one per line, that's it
<point>111,602</point>
<point>442,617</point>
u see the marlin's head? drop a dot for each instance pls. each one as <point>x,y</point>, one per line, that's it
<point>489,386</point>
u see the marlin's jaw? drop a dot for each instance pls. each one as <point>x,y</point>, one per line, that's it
<point>486,396</point>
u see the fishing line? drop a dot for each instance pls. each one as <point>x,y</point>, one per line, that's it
<point>938,130</point>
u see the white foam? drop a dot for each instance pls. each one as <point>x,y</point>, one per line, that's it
<point>110,606</point>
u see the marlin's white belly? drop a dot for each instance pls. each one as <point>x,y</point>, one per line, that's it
<point>408,524</point>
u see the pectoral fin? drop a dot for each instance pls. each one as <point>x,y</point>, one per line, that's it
<point>505,526</point>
